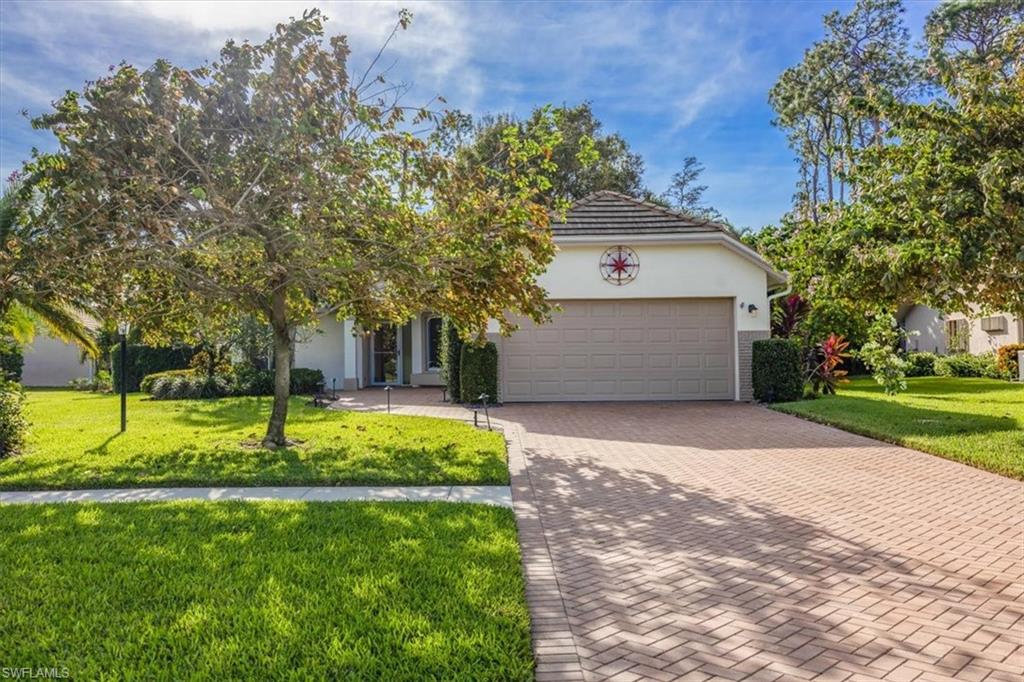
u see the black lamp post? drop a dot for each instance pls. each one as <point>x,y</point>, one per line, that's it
<point>123,328</point>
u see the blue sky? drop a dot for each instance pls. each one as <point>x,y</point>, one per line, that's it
<point>675,79</point>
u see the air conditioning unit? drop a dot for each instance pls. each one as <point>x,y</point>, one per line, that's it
<point>994,325</point>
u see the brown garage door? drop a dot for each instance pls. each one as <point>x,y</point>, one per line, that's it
<point>662,349</point>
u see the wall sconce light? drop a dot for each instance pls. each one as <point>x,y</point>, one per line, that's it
<point>752,309</point>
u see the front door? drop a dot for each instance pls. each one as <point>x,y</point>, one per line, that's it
<point>385,352</point>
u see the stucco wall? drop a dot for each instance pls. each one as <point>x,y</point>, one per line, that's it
<point>324,350</point>
<point>666,271</point>
<point>51,362</point>
<point>930,328</point>
<point>981,341</point>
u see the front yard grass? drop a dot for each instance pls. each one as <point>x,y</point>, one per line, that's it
<point>979,422</point>
<point>269,590</point>
<point>74,443</point>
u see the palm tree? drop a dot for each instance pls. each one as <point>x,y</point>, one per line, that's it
<point>22,302</point>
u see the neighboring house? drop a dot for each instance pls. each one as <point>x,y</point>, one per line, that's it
<point>958,333</point>
<point>654,306</point>
<point>52,362</point>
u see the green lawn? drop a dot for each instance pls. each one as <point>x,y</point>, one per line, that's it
<point>979,422</point>
<point>74,443</point>
<point>230,590</point>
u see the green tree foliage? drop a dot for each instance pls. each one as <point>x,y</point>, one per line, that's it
<point>275,183</point>
<point>686,194</point>
<point>586,158</point>
<point>863,52</point>
<point>930,206</point>
<point>940,211</point>
<point>40,279</point>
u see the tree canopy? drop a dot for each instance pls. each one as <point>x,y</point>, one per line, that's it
<point>274,182</point>
<point>930,202</point>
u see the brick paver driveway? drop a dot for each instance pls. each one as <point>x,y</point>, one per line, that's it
<point>717,540</point>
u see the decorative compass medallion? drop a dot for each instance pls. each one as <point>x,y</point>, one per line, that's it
<point>619,265</point>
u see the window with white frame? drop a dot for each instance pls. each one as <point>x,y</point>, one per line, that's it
<point>434,343</point>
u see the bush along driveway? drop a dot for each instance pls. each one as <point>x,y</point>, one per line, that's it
<point>979,422</point>
<point>74,443</point>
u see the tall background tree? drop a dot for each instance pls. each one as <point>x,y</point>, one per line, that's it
<point>925,151</point>
<point>274,183</point>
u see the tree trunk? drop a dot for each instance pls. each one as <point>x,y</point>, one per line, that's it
<point>282,372</point>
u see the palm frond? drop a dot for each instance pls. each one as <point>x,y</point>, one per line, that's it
<point>64,324</point>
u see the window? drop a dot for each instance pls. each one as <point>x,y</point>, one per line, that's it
<point>957,336</point>
<point>434,343</point>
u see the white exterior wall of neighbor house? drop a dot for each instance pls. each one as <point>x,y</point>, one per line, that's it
<point>51,362</point>
<point>928,327</point>
<point>932,336</point>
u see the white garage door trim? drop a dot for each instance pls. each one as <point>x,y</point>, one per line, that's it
<point>624,349</point>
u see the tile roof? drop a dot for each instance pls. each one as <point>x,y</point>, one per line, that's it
<point>608,212</point>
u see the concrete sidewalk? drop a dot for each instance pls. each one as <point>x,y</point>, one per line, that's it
<point>482,494</point>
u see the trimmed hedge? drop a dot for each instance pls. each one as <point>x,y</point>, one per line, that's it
<point>777,371</point>
<point>11,359</point>
<point>186,384</point>
<point>967,365</point>
<point>479,372</point>
<point>305,381</point>
<point>190,387</point>
<point>451,358</point>
<point>921,364</point>
<point>146,385</point>
<point>12,418</point>
<point>143,360</point>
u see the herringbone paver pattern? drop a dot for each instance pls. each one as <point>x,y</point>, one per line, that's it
<point>725,541</point>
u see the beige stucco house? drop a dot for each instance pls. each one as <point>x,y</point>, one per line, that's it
<point>945,334</point>
<point>655,305</point>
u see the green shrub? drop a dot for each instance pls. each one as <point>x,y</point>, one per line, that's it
<point>98,383</point>
<point>478,372</point>
<point>777,370</point>
<point>920,364</point>
<point>967,365</point>
<point>451,357</point>
<point>143,360</point>
<point>146,385</point>
<point>11,359</point>
<point>12,418</point>
<point>247,380</point>
<point>189,387</point>
<point>305,381</point>
<point>1006,359</point>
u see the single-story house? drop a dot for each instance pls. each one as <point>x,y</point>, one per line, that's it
<point>935,332</point>
<point>655,305</point>
<point>52,362</point>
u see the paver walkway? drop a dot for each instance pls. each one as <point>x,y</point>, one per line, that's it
<point>484,494</point>
<point>725,541</point>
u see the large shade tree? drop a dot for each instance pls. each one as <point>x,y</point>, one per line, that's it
<point>274,182</point>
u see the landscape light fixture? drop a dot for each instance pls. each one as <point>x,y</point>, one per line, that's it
<point>124,327</point>
<point>387,390</point>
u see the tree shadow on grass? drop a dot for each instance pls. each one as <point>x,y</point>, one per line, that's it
<point>649,567</point>
<point>270,590</point>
